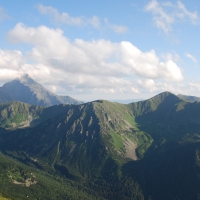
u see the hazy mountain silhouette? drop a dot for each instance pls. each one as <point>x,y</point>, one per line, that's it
<point>25,89</point>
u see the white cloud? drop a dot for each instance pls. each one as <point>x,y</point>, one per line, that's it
<point>3,15</point>
<point>135,90</point>
<point>184,13</point>
<point>95,22</point>
<point>172,55</point>
<point>11,59</point>
<point>148,64</point>
<point>10,64</point>
<point>80,20</point>
<point>165,14</point>
<point>116,28</point>
<point>97,65</point>
<point>67,19</point>
<point>161,19</point>
<point>191,57</point>
<point>148,84</point>
<point>195,86</point>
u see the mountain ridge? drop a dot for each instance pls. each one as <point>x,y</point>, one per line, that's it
<point>117,150</point>
<point>189,98</point>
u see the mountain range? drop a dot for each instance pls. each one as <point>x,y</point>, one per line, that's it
<point>26,90</point>
<point>101,150</point>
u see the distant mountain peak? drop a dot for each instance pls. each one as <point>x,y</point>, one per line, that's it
<point>164,95</point>
<point>25,78</point>
<point>25,89</point>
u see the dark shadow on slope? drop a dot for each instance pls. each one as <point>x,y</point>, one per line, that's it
<point>173,174</point>
<point>171,120</point>
<point>63,171</point>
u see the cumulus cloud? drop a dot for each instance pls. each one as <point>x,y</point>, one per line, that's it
<point>88,65</point>
<point>10,59</point>
<point>191,57</point>
<point>10,64</point>
<point>148,84</point>
<point>165,14</point>
<point>148,64</point>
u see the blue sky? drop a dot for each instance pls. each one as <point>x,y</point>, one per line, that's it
<point>102,49</point>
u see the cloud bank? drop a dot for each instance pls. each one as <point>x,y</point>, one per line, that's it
<point>85,66</point>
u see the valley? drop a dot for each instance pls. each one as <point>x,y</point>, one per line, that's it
<point>101,150</point>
